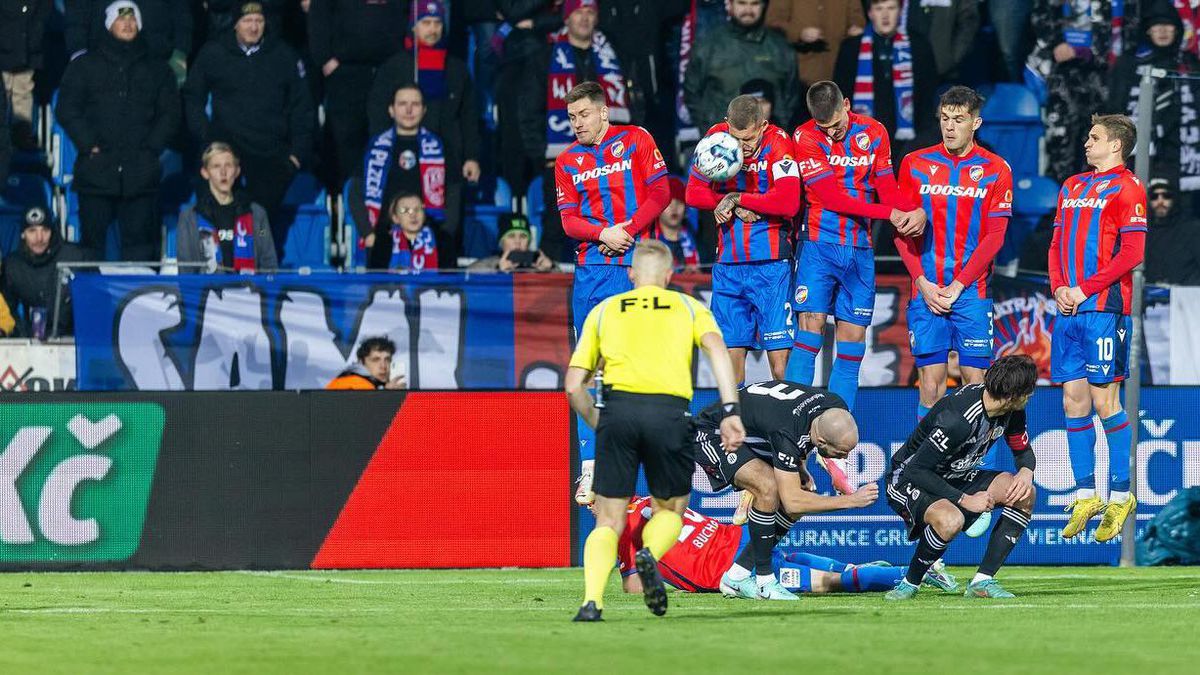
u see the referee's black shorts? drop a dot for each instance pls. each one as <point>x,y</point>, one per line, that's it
<point>654,430</point>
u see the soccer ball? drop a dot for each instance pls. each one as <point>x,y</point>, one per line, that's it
<point>719,157</point>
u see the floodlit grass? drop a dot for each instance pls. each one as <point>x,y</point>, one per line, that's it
<point>1065,619</point>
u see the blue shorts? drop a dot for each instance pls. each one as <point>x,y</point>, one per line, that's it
<point>835,279</point>
<point>750,303</point>
<point>594,283</point>
<point>967,329</point>
<point>1092,346</point>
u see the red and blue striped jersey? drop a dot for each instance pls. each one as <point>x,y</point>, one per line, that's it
<point>1094,210</point>
<point>607,183</point>
<point>959,194</point>
<point>769,237</point>
<point>865,152</point>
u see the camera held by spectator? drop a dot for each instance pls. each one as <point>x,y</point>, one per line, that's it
<point>515,252</point>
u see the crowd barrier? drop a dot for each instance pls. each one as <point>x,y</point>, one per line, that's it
<point>276,480</point>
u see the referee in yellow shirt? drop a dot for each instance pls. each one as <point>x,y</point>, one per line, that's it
<point>646,338</point>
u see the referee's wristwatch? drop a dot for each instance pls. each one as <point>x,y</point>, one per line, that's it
<point>730,409</point>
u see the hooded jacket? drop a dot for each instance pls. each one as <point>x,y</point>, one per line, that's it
<point>120,100</point>
<point>22,33</point>
<point>32,281</point>
<point>728,57</point>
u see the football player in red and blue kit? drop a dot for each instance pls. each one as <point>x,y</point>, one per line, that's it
<point>612,186</point>
<point>846,164</point>
<point>1099,237</point>
<point>752,277</point>
<point>967,193</point>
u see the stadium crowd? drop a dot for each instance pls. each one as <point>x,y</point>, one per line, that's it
<point>419,111</point>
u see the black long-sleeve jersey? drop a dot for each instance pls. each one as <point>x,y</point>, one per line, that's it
<point>777,415</point>
<point>952,441</point>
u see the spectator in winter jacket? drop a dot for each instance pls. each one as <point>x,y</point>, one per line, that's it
<point>1175,103</point>
<point>119,107</point>
<point>349,40</point>
<point>260,106</point>
<point>731,55</point>
<point>949,27</point>
<point>31,275</point>
<point>514,249</point>
<point>816,31</point>
<point>225,229</point>
<point>1173,239</point>
<point>890,76</point>
<point>453,107</point>
<point>22,33</point>
<point>165,25</point>
<point>373,370</point>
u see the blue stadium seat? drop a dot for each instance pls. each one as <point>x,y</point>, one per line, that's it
<point>70,219</point>
<point>1012,127</point>
<point>10,228</point>
<point>534,204</point>
<point>1033,199</point>
<point>308,238</point>
<point>62,152</point>
<point>480,226</point>
<point>357,256</point>
<point>23,190</point>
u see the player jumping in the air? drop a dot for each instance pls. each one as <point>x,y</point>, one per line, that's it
<point>938,488</point>
<point>612,185</point>
<point>708,547</point>
<point>967,192</point>
<point>752,278</point>
<point>846,163</point>
<point>784,423</point>
<point>1099,237</point>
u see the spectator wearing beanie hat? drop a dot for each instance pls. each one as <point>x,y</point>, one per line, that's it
<point>261,106</point>
<point>514,245</point>
<point>120,107</point>
<point>166,26</point>
<point>30,276</point>
<point>452,106</point>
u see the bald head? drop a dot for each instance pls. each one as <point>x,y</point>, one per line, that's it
<point>652,264</point>
<point>835,433</point>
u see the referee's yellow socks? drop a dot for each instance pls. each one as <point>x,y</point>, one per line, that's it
<point>599,557</point>
<point>661,532</point>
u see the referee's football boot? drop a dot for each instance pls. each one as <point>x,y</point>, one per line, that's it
<point>1114,517</point>
<point>988,588</point>
<point>938,577</point>
<point>902,591</point>
<point>980,526</point>
<point>1082,510</point>
<point>742,513</point>
<point>739,588</point>
<point>584,495</point>
<point>588,613</point>
<point>776,591</point>
<point>654,591</point>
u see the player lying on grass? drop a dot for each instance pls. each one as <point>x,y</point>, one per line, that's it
<point>784,423</point>
<point>937,487</point>
<point>707,548</point>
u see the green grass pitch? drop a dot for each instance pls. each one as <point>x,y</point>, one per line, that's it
<point>1064,620</point>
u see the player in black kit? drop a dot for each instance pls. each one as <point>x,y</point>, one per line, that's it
<point>936,484</point>
<point>784,423</point>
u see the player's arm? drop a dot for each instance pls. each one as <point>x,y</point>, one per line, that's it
<point>1053,266</point>
<point>707,336</point>
<point>1018,441</point>
<point>999,210</point>
<point>583,363</point>
<point>884,180</point>
<point>700,193</point>
<point>950,432</point>
<point>796,501</point>
<point>782,199</point>
<point>575,225</point>
<point>908,246</point>
<point>658,192</point>
<point>1132,237</point>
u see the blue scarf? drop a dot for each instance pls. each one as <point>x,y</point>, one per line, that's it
<point>431,165</point>
<point>562,79</point>
<point>863,102</point>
